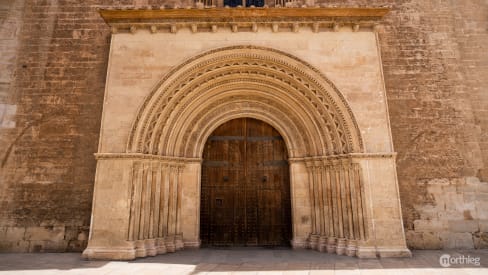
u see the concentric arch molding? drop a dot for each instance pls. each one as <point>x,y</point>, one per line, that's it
<point>245,81</point>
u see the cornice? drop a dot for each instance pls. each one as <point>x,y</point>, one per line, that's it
<point>114,16</point>
<point>243,19</point>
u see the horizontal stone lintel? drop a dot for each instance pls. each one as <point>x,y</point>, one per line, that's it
<point>244,19</point>
<point>228,14</point>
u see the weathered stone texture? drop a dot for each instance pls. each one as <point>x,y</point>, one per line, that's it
<point>434,80</point>
<point>47,166</point>
<point>456,216</point>
<point>52,76</point>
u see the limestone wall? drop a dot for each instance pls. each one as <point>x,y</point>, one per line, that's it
<point>52,79</point>
<point>455,217</point>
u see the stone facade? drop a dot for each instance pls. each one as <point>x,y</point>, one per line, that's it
<point>53,68</point>
<point>336,132</point>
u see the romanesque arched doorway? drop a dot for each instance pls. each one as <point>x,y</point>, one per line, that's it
<point>344,192</point>
<point>245,186</point>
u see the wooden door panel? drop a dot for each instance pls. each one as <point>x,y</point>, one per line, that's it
<point>245,186</point>
<point>222,205</point>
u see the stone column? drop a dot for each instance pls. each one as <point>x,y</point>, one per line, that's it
<point>190,204</point>
<point>137,207</point>
<point>315,206</point>
<point>300,204</point>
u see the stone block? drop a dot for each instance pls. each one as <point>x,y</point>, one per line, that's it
<point>457,240</point>
<point>414,240</point>
<point>454,201</point>
<point>19,246</point>
<point>472,180</point>
<point>461,226</point>
<point>12,245</point>
<point>438,181</point>
<point>451,215</point>
<point>431,241</point>
<point>48,246</point>
<point>482,207</point>
<point>480,240</point>
<point>12,233</point>
<point>464,240</point>
<point>429,225</point>
<point>466,188</point>
<point>71,233</point>
<point>483,225</point>
<point>482,197</point>
<point>482,187</point>
<point>45,233</point>
<point>76,246</point>
<point>446,240</point>
<point>7,116</point>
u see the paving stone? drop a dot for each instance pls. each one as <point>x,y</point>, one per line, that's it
<point>289,262</point>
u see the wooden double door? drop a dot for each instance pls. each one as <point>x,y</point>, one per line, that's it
<point>245,195</point>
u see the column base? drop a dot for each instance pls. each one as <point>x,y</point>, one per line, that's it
<point>314,241</point>
<point>366,252</point>
<point>393,252</point>
<point>170,244</point>
<point>299,243</point>
<point>151,249</point>
<point>160,246</point>
<point>179,242</point>
<point>112,253</point>
<point>351,248</point>
<point>323,244</point>
<point>341,247</point>
<point>331,245</point>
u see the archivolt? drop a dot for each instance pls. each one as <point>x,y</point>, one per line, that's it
<point>245,81</point>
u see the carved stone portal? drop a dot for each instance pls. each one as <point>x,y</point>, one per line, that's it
<point>167,93</point>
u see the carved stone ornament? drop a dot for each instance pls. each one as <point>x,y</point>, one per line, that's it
<point>185,98</point>
<point>245,19</point>
<point>344,195</point>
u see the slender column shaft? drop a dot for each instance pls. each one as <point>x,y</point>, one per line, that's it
<point>312,199</point>
<point>347,183</point>
<point>165,202</point>
<point>329,201</point>
<point>318,206</point>
<point>157,198</point>
<point>354,202</point>
<point>339,201</point>
<point>360,201</point>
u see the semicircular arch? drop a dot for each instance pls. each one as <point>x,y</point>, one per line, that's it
<point>205,91</point>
